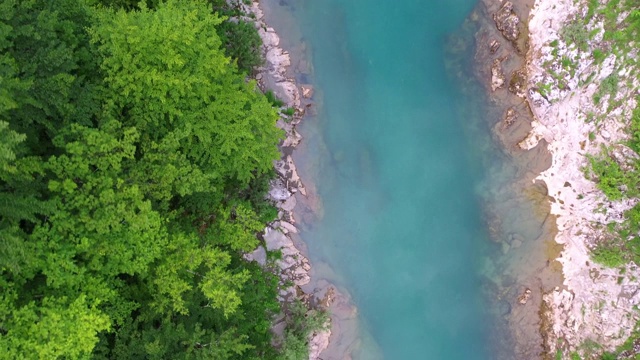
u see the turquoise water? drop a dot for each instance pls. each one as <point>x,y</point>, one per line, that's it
<point>398,175</point>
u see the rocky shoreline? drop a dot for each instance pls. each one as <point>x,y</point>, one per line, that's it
<point>293,268</point>
<point>516,211</point>
<point>593,307</point>
<point>595,303</point>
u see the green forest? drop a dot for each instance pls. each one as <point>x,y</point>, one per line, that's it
<point>135,155</point>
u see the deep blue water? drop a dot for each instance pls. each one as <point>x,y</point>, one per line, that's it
<point>398,175</point>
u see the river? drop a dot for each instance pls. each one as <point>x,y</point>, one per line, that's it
<point>411,180</point>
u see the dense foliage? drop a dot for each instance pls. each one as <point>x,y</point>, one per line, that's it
<point>239,37</point>
<point>133,162</point>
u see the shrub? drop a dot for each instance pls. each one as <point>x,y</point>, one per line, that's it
<point>598,56</point>
<point>608,255</point>
<point>576,33</point>
<point>273,99</point>
<point>301,322</point>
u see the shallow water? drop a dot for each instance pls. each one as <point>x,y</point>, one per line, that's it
<point>417,205</point>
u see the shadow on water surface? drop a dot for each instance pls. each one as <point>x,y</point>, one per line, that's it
<point>398,210</point>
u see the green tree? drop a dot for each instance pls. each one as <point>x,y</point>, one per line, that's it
<point>19,201</point>
<point>47,46</point>
<point>242,42</point>
<point>167,76</point>
<point>51,328</point>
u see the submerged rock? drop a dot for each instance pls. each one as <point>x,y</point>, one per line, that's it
<point>518,83</point>
<point>507,22</point>
<point>494,45</point>
<point>509,117</point>
<point>524,297</point>
<point>516,244</point>
<point>628,291</point>
<point>497,75</point>
<point>307,91</point>
<point>503,308</point>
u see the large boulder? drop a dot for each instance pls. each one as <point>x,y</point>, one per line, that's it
<point>507,22</point>
<point>278,190</point>
<point>258,255</point>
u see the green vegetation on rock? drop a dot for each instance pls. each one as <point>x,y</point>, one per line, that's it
<point>618,178</point>
<point>300,323</point>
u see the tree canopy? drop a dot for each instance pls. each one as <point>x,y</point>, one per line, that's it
<point>133,161</point>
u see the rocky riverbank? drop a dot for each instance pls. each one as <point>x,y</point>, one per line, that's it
<point>595,304</point>
<point>293,267</point>
<point>557,87</point>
